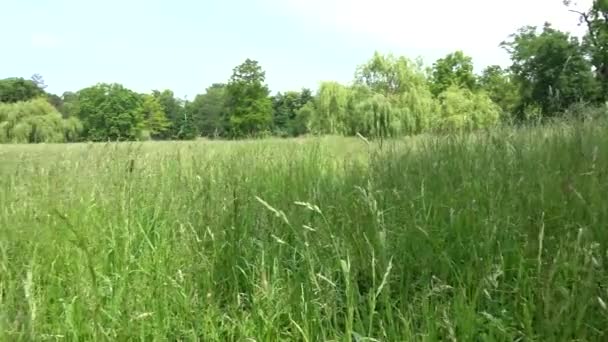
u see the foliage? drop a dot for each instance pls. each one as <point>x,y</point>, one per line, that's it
<point>110,112</point>
<point>248,106</point>
<point>417,111</point>
<point>303,119</point>
<point>155,120</point>
<point>174,112</point>
<point>551,68</point>
<point>285,108</point>
<point>595,41</point>
<point>454,69</point>
<point>501,87</point>
<point>389,75</point>
<point>462,109</point>
<point>187,126</point>
<point>209,111</point>
<point>330,113</point>
<point>373,117</point>
<point>68,105</point>
<point>17,89</point>
<point>36,121</point>
<point>403,83</point>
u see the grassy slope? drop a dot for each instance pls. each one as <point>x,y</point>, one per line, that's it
<point>496,238</point>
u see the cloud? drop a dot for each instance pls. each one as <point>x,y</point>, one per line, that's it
<point>45,40</point>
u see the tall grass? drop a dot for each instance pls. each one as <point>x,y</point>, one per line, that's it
<point>497,236</point>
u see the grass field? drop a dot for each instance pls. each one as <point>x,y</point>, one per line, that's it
<point>499,236</point>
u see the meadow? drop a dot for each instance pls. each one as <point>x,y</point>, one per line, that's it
<point>492,236</point>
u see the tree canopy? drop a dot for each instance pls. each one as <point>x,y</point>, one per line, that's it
<point>209,111</point>
<point>454,69</point>
<point>110,112</point>
<point>36,121</point>
<point>249,108</point>
<point>17,89</point>
<point>551,68</point>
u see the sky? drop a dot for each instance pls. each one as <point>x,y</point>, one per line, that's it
<point>187,45</point>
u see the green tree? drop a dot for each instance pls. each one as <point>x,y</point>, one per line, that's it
<point>454,69</point>
<point>389,75</point>
<point>501,87</point>
<point>463,109</point>
<point>69,104</point>
<point>304,115</point>
<point>209,111</point>
<point>156,122</point>
<point>36,121</point>
<point>18,89</point>
<point>551,68</point>
<point>595,41</point>
<point>285,108</point>
<point>187,125</point>
<point>56,101</point>
<point>404,84</point>
<point>306,96</point>
<point>249,109</point>
<point>174,112</point>
<point>330,114</point>
<point>110,112</point>
<point>373,117</point>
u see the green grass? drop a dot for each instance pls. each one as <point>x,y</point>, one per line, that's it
<point>499,236</point>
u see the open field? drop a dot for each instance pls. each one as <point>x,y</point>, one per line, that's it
<point>498,237</point>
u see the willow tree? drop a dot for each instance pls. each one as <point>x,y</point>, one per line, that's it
<point>403,83</point>
<point>36,121</point>
<point>330,114</point>
<point>462,109</point>
<point>374,117</point>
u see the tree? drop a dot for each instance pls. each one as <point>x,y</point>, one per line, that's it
<point>330,112</point>
<point>155,120</point>
<point>110,112</point>
<point>404,84</point>
<point>301,123</point>
<point>69,104</point>
<point>463,109</point>
<point>595,41</point>
<point>18,89</point>
<point>306,96</point>
<point>374,116</point>
<point>389,75</point>
<point>56,101</point>
<point>285,108</point>
<point>174,112</point>
<point>501,87</point>
<point>209,110</point>
<point>551,69</point>
<point>454,69</point>
<point>249,109</point>
<point>36,121</point>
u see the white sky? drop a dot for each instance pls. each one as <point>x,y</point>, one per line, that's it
<point>475,26</point>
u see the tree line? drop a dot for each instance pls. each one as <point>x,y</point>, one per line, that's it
<point>551,74</point>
